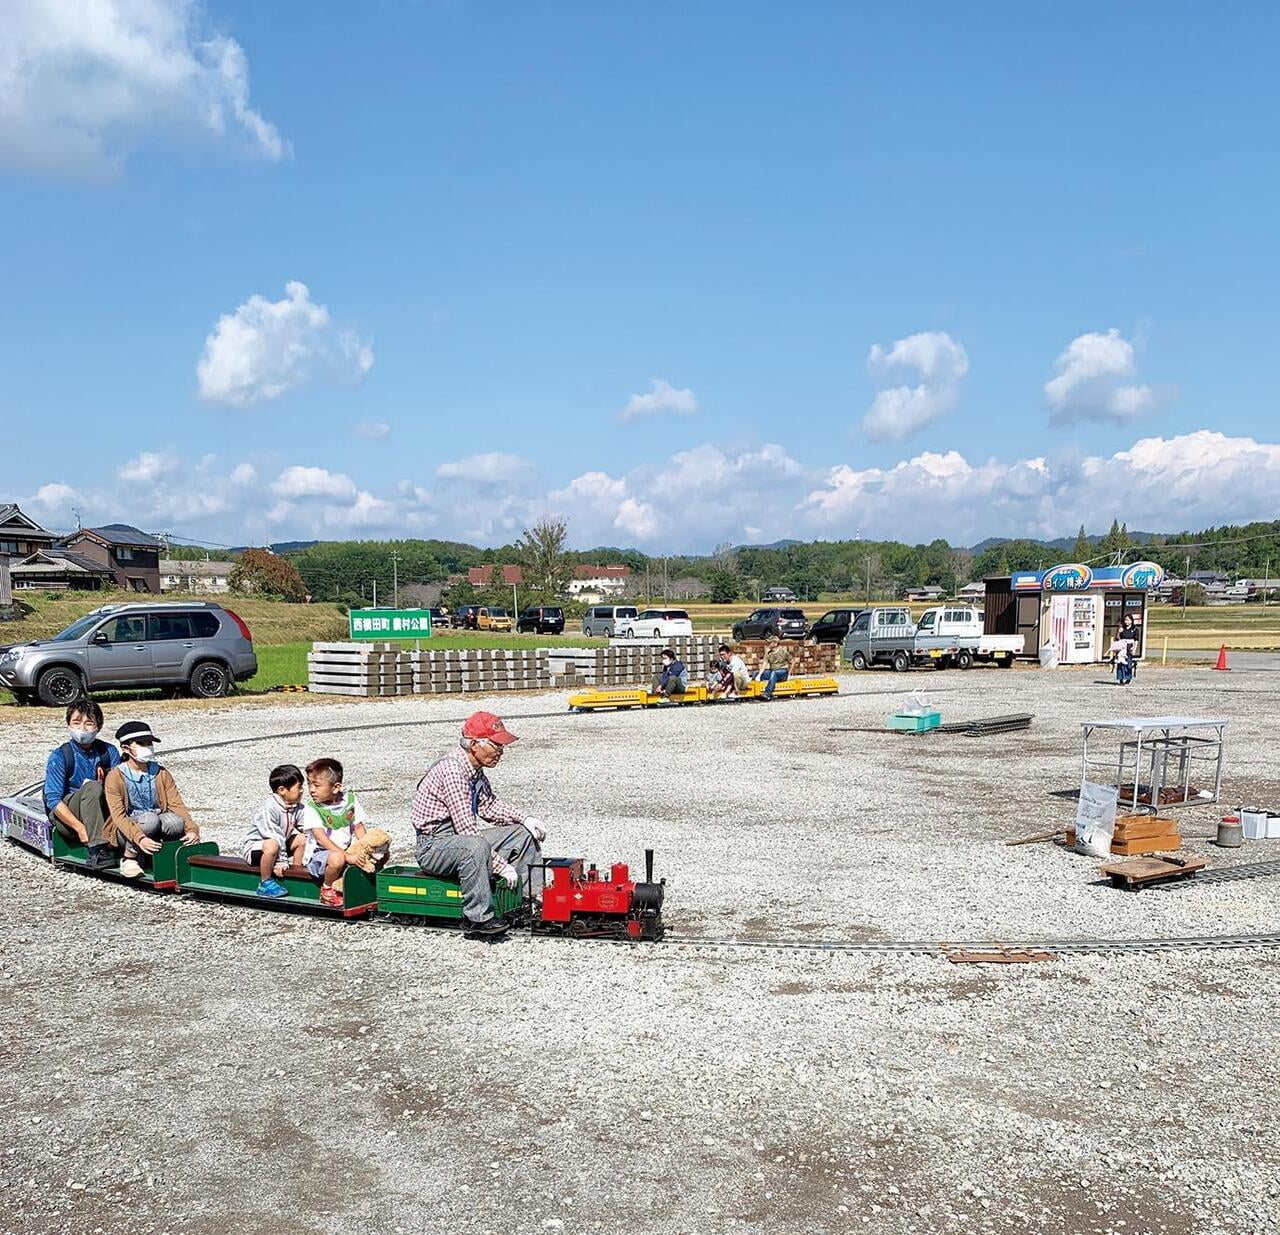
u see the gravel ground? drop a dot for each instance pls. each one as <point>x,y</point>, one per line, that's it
<point>171,1064</point>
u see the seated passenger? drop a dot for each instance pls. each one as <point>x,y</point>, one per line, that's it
<point>674,678</point>
<point>777,663</point>
<point>73,783</point>
<point>734,674</point>
<point>451,799</point>
<point>144,806</point>
<point>275,840</point>
<point>331,819</point>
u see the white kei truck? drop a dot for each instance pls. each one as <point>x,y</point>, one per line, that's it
<point>945,636</point>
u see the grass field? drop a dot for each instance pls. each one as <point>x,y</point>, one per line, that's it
<point>283,633</point>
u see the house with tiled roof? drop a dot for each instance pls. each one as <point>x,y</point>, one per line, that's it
<point>131,555</point>
<point>20,535</point>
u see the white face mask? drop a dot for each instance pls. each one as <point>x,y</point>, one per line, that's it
<point>83,736</point>
<point>143,754</point>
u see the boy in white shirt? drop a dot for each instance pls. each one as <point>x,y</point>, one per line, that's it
<point>275,839</point>
<point>331,820</point>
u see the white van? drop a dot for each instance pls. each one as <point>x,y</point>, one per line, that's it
<point>607,620</point>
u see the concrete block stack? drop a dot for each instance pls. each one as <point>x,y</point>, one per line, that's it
<point>361,669</point>
<point>368,669</point>
<point>629,662</point>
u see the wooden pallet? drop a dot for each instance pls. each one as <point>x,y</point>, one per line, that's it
<point>1141,872</point>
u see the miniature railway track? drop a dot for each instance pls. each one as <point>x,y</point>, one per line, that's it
<point>1087,946</point>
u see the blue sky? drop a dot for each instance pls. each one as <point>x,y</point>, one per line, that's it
<point>922,270</point>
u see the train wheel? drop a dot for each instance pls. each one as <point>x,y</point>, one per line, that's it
<point>859,661</point>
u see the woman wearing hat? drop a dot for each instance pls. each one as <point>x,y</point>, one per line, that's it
<point>144,805</point>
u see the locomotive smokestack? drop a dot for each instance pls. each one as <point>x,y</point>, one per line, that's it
<point>648,866</point>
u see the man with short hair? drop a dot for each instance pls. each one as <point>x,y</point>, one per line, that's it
<point>74,775</point>
<point>451,800</point>
<point>777,663</point>
<point>734,674</point>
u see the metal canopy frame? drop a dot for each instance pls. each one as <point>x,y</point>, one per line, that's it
<point>1171,749</point>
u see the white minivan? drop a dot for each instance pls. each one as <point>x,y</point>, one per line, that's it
<point>607,620</point>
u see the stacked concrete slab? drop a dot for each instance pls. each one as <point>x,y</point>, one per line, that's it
<point>629,662</point>
<point>364,669</point>
<point>368,669</point>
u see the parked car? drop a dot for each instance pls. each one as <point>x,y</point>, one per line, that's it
<point>658,624</point>
<point>439,618</point>
<point>492,618</point>
<point>198,645</point>
<point>833,626</point>
<point>464,617</point>
<point>953,635</point>
<point>607,620</point>
<point>883,635</point>
<point>542,620</point>
<point>779,595</point>
<point>785,623</point>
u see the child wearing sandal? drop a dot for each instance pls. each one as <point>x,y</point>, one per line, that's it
<point>331,819</point>
<point>275,839</point>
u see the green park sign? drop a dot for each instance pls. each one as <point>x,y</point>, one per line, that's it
<point>390,623</point>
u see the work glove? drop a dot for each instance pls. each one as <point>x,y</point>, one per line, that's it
<point>536,828</point>
<point>508,874</point>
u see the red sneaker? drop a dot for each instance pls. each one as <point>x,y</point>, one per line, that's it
<point>331,897</point>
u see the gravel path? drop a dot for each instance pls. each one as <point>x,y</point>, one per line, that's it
<point>172,1064</point>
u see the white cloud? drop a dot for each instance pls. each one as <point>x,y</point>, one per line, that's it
<point>899,411</point>
<point>1089,383</point>
<point>708,494</point>
<point>664,397</point>
<point>373,430</point>
<point>84,83</point>
<point>148,467</point>
<point>303,482</point>
<point>493,467</point>
<point>267,347</point>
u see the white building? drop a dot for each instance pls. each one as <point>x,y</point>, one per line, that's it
<point>211,578</point>
<point>595,583</point>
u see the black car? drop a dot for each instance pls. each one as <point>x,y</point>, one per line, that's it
<point>542,620</point>
<point>833,626</point>
<point>465,617</point>
<point>785,623</point>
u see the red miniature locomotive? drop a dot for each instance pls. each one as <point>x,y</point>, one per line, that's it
<point>590,903</point>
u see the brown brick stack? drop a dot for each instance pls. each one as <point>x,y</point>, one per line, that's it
<point>807,659</point>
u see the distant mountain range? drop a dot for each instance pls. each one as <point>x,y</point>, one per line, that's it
<point>1065,543</point>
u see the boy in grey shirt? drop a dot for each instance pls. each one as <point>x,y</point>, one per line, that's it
<point>274,841</point>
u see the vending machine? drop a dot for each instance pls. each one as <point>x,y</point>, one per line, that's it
<point>1073,627</point>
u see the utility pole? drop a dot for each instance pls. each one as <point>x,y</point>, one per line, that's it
<point>1266,581</point>
<point>395,579</point>
<point>375,593</point>
<point>868,580</point>
<point>1186,583</point>
<point>664,580</point>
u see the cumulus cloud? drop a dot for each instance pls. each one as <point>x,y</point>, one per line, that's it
<point>1089,382</point>
<point>373,430</point>
<point>494,467</point>
<point>304,482</point>
<point>268,347</point>
<point>939,363</point>
<point>83,84</point>
<point>704,495</point>
<point>664,397</point>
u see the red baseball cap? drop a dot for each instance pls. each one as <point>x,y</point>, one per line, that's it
<point>485,726</point>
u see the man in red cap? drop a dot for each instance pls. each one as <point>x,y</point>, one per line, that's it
<point>451,801</point>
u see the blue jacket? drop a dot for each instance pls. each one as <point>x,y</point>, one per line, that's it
<point>674,670</point>
<point>82,765</point>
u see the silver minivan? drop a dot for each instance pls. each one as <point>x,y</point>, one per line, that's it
<point>607,620</point>
<point>198,645</point>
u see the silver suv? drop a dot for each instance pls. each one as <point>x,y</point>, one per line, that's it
<point>199,645</point>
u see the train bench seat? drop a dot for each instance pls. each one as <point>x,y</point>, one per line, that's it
<point>224,862</point>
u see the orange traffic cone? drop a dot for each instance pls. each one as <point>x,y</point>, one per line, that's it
<point>1222,659</point>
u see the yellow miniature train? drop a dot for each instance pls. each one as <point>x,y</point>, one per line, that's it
<point>642,697</point>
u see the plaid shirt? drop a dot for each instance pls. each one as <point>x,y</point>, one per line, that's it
<point>454,793</point>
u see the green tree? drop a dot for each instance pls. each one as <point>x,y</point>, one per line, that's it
<point>259,572</point>
<point>547,568</point>
<point>725,586</point>
<point>1083,548</point>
